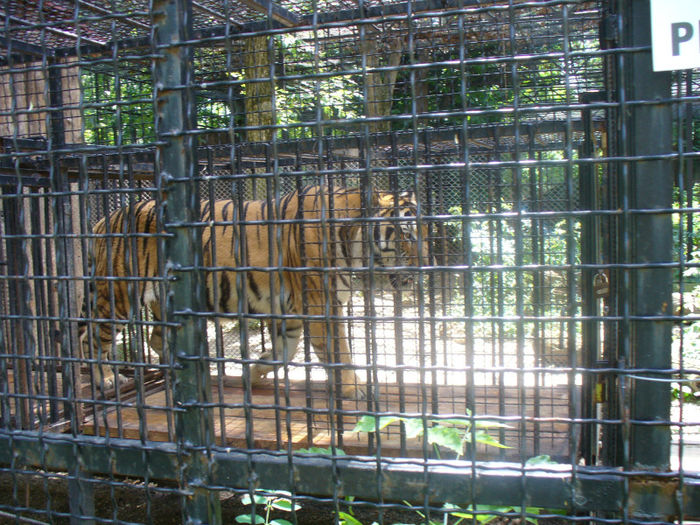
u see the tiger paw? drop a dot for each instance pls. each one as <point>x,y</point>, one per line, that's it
<point>108,380</point>
<point>353,387</point>
<point>258,374</point>
<point>354,392</point>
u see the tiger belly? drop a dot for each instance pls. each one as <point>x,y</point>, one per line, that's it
<point>261,293</point>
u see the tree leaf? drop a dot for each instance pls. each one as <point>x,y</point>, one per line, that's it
<point>369,423</point>
<point>325,451</point>
<point>540,460</point>
<point>414,427</point>
<point>453,421</point>
<point>485,439</point>
<point>259,500</point>
<point>448,437</point>
<point>490,424</point>
<point>347,519</point>
<point>285,505</point>
<point>245,518</point>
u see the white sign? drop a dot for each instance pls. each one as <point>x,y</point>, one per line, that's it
<point>675,34</point>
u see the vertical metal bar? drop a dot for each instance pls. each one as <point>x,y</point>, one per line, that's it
<point>52,351</point>
<point>496,290</point>
<point>571,246</point>
<point>590,248</point>
<point>649,238</point>
<point>17,270</point>
<point>537,282</point>
<point>81,494</point>
<point>610,444</point>
<point>64,248</point>
<point>36,377</point>
<point>192,382</point>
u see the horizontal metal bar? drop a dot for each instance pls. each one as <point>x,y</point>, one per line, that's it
<point>648,494</point>
<point>282,20</point>
<point>11,177</point>
<point>18,46</point>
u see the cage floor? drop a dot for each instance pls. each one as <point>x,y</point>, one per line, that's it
<point>537,419</point>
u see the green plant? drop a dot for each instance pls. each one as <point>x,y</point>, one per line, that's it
<point>348,519</point>
<point>453,433</point>
<point>278,500</point>
<point>328,451</point>
<point>484,514</point>
<point>687,392</point>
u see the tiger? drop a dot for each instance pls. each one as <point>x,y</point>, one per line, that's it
<point>324,236</point>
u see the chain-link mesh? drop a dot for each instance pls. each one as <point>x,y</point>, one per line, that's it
<point>340,262</point>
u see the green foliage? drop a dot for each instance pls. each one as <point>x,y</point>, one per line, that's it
<point>310,97</point>
<point>347,519</point>
<point>484,514</point>
<point>452,434</point>
<point>328,451</point>
<point>118,109</point>
<point>685,392</point>
<point>278,500</point>
<point>686,334</point>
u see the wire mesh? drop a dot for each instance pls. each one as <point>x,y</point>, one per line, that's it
<point>329,261</point>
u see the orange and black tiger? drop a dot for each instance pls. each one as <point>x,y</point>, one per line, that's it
<point>293,259</point>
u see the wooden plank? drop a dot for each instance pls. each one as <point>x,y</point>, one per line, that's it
<point>274,423</point>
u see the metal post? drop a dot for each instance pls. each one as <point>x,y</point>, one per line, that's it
<point>590,250</point>
<point>80,487</point>
<point>175,115</point>
<point>647,238</point>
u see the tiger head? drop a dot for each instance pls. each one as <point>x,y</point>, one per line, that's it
<point>399,242</point>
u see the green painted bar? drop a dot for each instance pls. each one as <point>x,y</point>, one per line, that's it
<point>191,382</point>
<point>553,487</point>
<point>650,240</point>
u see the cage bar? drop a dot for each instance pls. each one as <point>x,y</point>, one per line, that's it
<point>374,258</point>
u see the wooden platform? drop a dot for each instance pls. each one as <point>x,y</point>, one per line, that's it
<point>303,417</point>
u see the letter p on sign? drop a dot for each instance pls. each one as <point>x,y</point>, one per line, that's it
<point>675,34</point>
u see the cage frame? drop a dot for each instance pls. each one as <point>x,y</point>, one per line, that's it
<point>643,488</point>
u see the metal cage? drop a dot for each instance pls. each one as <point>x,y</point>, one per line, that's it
<point>346,262</point>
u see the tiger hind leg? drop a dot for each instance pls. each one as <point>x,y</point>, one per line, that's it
<point>338,352</point>
<point>155,341</point>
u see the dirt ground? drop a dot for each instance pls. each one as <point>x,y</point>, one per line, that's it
<point>127,503</point>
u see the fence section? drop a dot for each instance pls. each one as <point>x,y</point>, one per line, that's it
<point>402,261</point>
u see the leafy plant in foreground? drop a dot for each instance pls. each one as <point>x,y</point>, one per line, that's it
<point>272,501</point>
<point>453,433</point>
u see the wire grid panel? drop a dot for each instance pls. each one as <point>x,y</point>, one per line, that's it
<point>363,248</point>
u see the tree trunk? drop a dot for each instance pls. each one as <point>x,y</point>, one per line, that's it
<point>258,95</point>
<point>380,84</point>
<point>258,100</point>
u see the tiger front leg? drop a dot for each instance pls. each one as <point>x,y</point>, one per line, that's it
<point>97,349</point>
<point>287,335</point>
<point>352,385</point>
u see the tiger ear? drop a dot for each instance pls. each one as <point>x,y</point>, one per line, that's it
<point>381,199</point>
<point>375,198</point>
<point>408,195</point>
